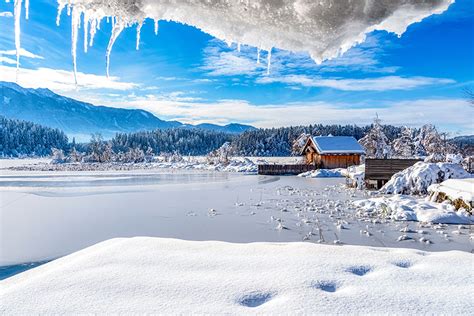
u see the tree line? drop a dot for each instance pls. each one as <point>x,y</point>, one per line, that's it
<point>20,138</point>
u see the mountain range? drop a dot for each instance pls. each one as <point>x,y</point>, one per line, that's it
<point>80,119</point>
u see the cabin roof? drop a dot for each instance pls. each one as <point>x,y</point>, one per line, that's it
<point>336,145</point>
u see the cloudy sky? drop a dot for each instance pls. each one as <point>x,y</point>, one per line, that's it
<point>184,74</point>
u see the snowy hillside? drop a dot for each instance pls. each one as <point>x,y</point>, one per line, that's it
<point>79,119</point>
<point>169,276</point>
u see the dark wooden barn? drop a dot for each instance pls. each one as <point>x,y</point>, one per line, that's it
<point>330,152</point>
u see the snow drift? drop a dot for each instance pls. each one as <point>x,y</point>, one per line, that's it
<point>168,276</point>
<point>325,29</point>
<point>409,208</point>
<point>459,192</point>
<point>417,178</point>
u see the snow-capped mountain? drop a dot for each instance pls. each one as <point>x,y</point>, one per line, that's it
<point>79,119</point>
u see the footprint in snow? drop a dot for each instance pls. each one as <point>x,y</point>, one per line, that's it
<point>403,264</point>
<point>326,286</point>
<point>359,270</point>
<point>255,299</point>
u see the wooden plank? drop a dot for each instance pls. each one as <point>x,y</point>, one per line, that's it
<point>283,169</point>
<point>384,169</point>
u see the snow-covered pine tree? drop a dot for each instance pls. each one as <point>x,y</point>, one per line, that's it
<point>404,145</point>
<point>429,142</point>
<point>376,142</point>
<point>298,144</point>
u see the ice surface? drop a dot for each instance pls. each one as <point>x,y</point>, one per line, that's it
<point>46,215</point>
<point>325,29</point>
<point>169,276</point>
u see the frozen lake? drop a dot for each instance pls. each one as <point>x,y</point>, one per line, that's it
<point>48,215</point>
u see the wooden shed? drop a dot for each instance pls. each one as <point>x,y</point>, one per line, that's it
<point>330,152</point>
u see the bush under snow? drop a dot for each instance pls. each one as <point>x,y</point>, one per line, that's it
<point>417,178</point>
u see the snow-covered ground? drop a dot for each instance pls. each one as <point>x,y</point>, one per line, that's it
<point>168,276</point>
<point>324,173</point>
<point>454,190</point>
<point>417,178</point>
<point>355,175</point>
<point>409,208</point>
<point>236,164</point>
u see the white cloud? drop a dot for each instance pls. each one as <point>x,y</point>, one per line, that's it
<point>23,53</point>
<point>449,114</point>
<point>6,14</point>
<point>367,84</point>
<point>219,61</point>
<point>61,81</point>
<point>7,60</point>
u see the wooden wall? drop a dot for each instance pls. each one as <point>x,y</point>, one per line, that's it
<point>339,161</point>
<point>274,170</point>
<point>384,169</point>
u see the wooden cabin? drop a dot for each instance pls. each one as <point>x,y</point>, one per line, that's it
<point>330,152</point>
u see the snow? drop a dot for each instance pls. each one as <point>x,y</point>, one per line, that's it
<point>417,178</point>
<point>337,144</point>
<point>168,276</point>
<point>324,173</point>
<point>324,29</point>
<point>454,189</point>
<point>356,174</point>
<point>409,208</point>
<point>236,164</point>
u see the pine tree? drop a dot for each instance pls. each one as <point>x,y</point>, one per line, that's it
<point>376,142</point>
<point>299,143</point>
<point>404,145</point>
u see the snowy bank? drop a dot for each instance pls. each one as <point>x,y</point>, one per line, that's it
<point>324,173</point>
<point>408,208</point>
<point>244,165</point>
<point>169,276</point>
<point>459,192</point>
<point>355,174</point>
<point>417,178</point>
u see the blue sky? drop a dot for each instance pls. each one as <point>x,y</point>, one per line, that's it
<point>187,75</point>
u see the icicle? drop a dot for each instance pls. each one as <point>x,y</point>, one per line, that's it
<point>238,47</point>
<point>75,23</point>
<point>17,13</point>
<point>139,27</point>
<point>156,27</point>
<point>269,58</point>
<point>119,26</point>
<point>86,31</point>
<point>258,55</point>
<point>93,30</point>
<point>27,9</point>
<point>60,10</point>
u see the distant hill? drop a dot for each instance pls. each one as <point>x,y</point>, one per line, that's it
<point>79,119</point>
<point>463,140</point>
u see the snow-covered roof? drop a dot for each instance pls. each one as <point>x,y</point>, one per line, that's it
<point>337,145</point>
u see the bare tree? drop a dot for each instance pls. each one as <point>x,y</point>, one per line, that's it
<point>469,95</point>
